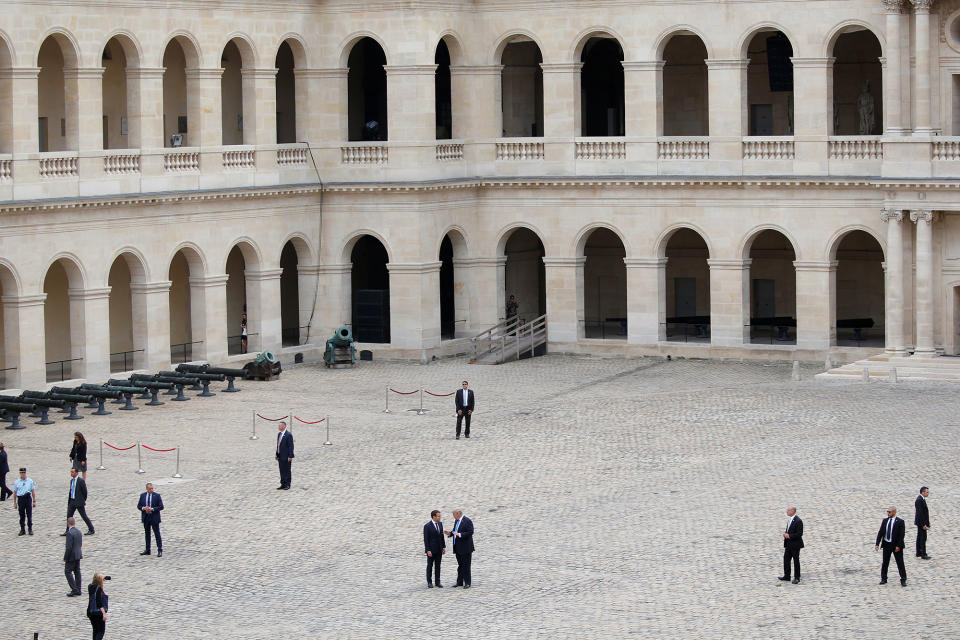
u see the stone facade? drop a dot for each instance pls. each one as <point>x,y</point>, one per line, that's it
<point>742,192</point>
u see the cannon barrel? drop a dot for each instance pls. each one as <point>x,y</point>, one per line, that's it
<point>235,373</point>
<point>18,407</point>
<point>95,390</point>
<point>165,376</point>
<point>177,379</point>
<point>71,397</point>
<point>47,402</point>
<point>218,377</point>
<point>342,337</point>
<point>126,389</point>
<point>149,383</point>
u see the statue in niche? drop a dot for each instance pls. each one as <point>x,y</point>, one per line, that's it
<point>866,107</point>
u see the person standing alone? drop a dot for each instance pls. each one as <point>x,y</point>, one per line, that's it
<point>72,555</point>
<point>25,490</point>
<point>792,543</point>
<point>890,536</point>
<point>284,455</point>
<point>922,519</point>
<point>464,402</point>
<point>150,506</point>
<point>434,546</point>
<point>77,500</point>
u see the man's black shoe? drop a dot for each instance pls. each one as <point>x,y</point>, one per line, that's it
<point>796,581</point>
<point>924,557</point>
<point>883,581</point>
<point>439,586</point>
<point>784,578</point>
<point>903,583</point>
<point>159,553</point>
<point>466,586</point>
<point>145,553</point>
<point>429,585</point>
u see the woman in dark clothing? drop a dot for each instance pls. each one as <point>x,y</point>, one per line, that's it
<point>78,454</point>
<point>4,468</point>
<point>97,607</point>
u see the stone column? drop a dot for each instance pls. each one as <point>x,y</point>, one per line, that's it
<point>812,109</point>
<point>334,303</point>
<point>894,70</point>
<point>23,340</point>
<point>894,271</point>
<point>561,99</point>
<point>643,95</point>
<point>208,317</point>
<point>23,116</point>
<point>308,293</point>
<point>921,101</point>
<point>727,91</point>
<point>204,120</point>
<point>90,333</point>
<point>729,302</point>
<point>145,107</point>
<point>475,95</point>
<point>150,302</point>
<point>411,109</point>
<point>924,288</point>
<point>85,133</point>
<point>263,309</point>
<point>816,304</point>
<point>259,107</point>
<point>480,301</point>
<point>564,298</point>
<point>646,300</point>
<point>414,305</point>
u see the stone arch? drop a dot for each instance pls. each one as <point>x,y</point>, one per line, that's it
<point>504,235</point>
<point>576,51</point>
<point>136,262</point>
<point>583,235</point>
<point>69,47</point>
<point>840,234</point>
<point>76,274</point>
<point>248,52</point>
<point>750,236</point>
<point>601,282</point>
<point>305,251</point>
<point>522,272</point>
<point>298,47</point>
<point>130,45</point>
<point>252,255</point>
<point>351,240</point>
<point>8,54</point>
<point>678,30</point>
<point>849,26</point>
<point>64,317</point>
<point>857,287</point>
<point>664,238</point>
<point>455,282</point>
<point>194,256</point>
<point>9,278</point>
<point>10,342</point>
<point>188,320</point>
<point>346,45</point>
<point>454,45</point>
<point>760,27</point>
<point>190,46</point>
<point>459,238</point>
<point>514,35</point>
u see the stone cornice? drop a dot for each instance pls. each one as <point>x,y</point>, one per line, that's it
<point>20,73</point>
<point>815,266</point>
<point>480,262</point>
<point>146,72</point>
<point>482,70</point>
<point>216,280</point>
<point>812,63</point>
<point>730,265</point>
<point>97,293</point>
<point>263,274</point>
<point>727,63</point>
<point>414,267</point>
<point>250,72</point>
<point>162,286</point>
<point>204,74</point>
<point>84,73</point>
<point>24,301</point>
<point>338,72</point>
<point>564,262</point>
<point>643,65</point>
<point>561,67</point>
<point>645,263</point>
<point>410,70</point>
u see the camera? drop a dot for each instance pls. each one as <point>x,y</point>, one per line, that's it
<point>108,577</point>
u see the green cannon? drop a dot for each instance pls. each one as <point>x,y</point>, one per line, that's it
<point>340,349</point>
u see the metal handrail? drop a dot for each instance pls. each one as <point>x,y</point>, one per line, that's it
<point>483,343</point>
<point>512,338</point>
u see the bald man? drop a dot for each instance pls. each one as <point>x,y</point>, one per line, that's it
<point>792,543</point>
<point>890,537</point>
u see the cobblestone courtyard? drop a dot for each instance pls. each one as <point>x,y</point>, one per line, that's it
<point>611,498</point>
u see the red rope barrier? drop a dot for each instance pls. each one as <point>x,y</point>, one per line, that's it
<point>404,393</point>
<point>272,419</point>
<point>439,395</point>
<point>160,450</point>
<point>307,421</point>
<point>120,448</point>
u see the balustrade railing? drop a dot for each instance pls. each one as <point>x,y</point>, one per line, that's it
<point>448,152</point>
<point>519,150</point>
<point>6,168</point>
<point>856,148</point>
<point>768,148</point>
<point>59,165</point>
<point>601,149</point>
<point>181,161</point>
<point>235,159</point>
<point>365,153</point>
<point>946,148</point>
<point>291,156</point>
<point>121,162</point>
<point>683,148</point>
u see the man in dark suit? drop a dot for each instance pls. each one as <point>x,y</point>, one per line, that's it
<point>284,455</point>
<point>71,557</point>
<point>464,400</point>
<point>462,534</point>
<point>150,506</point>
<point>890,536</point>
<point>922,519</point>
<point>434,546</point>
<point>792,543</point>
<point>77,500</point>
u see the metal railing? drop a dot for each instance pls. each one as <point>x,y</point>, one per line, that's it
<point>4,382</point>
<point>119,361</point>
<point>607,329</point>
<point>510,338</point>
<point>64,368</point>
<point>186,351</point>
<point>235,343</point>
<point>686,331</point>
<point>484,341</point>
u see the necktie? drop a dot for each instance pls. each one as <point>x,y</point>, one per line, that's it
<point>890,530</point>
<point>437,526</point>
<point>279,436</point>
<point>149,500</point>
<point>788,524</point>
<point>73,488</point>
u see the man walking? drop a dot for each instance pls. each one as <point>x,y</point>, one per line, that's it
<point>25,490</point>
<point>464,401</point>
<point>434,546</point>
<point>890,536</point>
<point>284,455</point>
<point>792,543</point>
<point>462,534</point>
<point>71,557</point>
<point>150,506</point>
<point>77,500</point>
<point>921,518</point>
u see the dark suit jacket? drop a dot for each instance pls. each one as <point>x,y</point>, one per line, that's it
<point>433,539</point>
<point>4,466</point>
<point>157,504</point>
<point>458,399</point>
<point>80,498</point>
<point>795,541</point>
<point>899,530</point>
<point>286,446</point>
<point>78,451</point>
<point>463,544</point>
<point>72,552</point>
<point>922,517</point>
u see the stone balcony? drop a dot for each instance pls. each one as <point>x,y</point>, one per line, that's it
<point>131,171</point>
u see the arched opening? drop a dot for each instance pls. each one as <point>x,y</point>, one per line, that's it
<point>127,340</point>
<point>116,129</point>
<point>770,84</point>
<point>601,88</point>
<point>367,92</point>
<point>6,98</point>
<point>240,337</point>
<point>286,95</point>
<point>685,99</point>
<point>448,310</point>
<point>57,106</point>
<point>444,103</point>
<point>860,291</point>
<point>525,274</point>
<point>604,286</point>
<point>289,296</point>
<point>521,90</point>
<point>773,289</point>
<point>231,95</point>
<point>370,291</point>
<point>687,287</point>
<point>175,122</point>
<point>184,341</point>
<point>62,322</point>
<point>857,85</point>
<point>9,349</point>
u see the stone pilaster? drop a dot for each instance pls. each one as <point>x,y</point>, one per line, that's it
<point>263,308</point>
<point>84,97</point>
<point>922,53</point>
<point>259,106</point>
<point>643,95</point>
<point>23,341</point>
<point>727,91</point>
<point>646,300</point>
<point>204,124</point>
<point>812,119</point>
<point>729,302</point>
<point>414,305</point>
<point>475,94</point>
<point>150,302</point>
<point>90,333</point>
<point>334,305</point>
<point>208,317</point>
<point>816,304</point>
<point>894,271</point>
<point>145,107</point>
<point>894,76</point>
<point>924,220</point>
<point>564,287</point>
<point>308,293</point>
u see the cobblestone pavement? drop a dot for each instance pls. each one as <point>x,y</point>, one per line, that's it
<point>611,497</point>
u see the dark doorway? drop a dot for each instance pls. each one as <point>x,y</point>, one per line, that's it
<point>370,291</point>
<point>601,88</point>
<point>367,87</point>
<point>525,275</point>
<point>289,296</point>
<point>448,320</point>
<point>286,96</point>
<point>444,105</point>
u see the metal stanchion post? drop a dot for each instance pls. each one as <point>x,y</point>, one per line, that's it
<point>139,460</point>
<point>328,431</point>
<point>177,474</point>
<point>101,467</point>
<point>386,399</point>
<point>254,436</point>
<point>420,411</point>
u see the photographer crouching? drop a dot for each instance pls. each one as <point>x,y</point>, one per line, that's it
<point>98,606</point>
